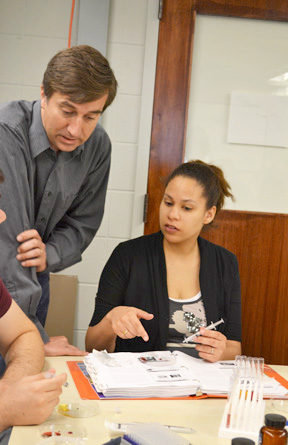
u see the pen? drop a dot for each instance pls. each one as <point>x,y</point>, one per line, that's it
<point>122,427</point>
<point>211,326</point>
<point>50,375</point>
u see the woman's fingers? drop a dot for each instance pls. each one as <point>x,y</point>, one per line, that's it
<point>211,344</point>
<point>127,322</point>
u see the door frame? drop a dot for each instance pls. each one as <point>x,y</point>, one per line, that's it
<point>172,82</point>
<point>147,97</point>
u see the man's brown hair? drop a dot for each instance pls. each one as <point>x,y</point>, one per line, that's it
<point>82,73</point>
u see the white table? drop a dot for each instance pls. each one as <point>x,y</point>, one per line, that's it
<point>202,415</point>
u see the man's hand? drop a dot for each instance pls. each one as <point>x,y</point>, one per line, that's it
<point>30,400</point>
<point>32,251</point>
<point>2,216</point>
<point>60,346</point>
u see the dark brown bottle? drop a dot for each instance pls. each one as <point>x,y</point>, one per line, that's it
<point>242,441</point>
<point>273,433</point>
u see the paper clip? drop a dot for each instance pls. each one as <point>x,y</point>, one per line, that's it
<point>211,326</point>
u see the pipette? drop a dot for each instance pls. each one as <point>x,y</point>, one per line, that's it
<point>211,326</point>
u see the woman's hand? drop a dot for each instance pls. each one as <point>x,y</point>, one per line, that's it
<point>121,321</point>
<point>211,345</point>
<point>125,322</point>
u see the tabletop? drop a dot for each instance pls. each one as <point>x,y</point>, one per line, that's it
<point>203,415</point>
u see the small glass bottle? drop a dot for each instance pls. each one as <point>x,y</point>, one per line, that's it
<point>273,433</point>
<point>242,441</point>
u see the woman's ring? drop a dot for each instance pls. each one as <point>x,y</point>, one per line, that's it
<point>212,350</point>
<point>125,332</point>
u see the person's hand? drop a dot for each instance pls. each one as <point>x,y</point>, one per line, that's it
<point>2,216</point>
<point>32,251</point>
<point>30,400</point>
<point>60,346</point>
<point>125,322</point>
<point>211,344</point>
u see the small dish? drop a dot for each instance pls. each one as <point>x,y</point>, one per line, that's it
<point>61,441</point>
<point>63,431</point>
<point>77,410</point>
<point>280,405</point>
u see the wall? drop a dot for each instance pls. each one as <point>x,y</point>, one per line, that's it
<point>31,32</point>
<point>125,52</point>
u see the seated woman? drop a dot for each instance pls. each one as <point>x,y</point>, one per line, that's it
<point>154,289</point>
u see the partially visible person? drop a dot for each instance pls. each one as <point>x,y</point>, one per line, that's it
<point>157,289</point>
<point>56,158</point>
<point>26,397</point>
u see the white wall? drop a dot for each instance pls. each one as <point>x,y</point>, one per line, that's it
<point>125,52</point>
<point>31,32</point>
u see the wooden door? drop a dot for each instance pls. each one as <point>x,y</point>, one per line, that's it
<point>260,242</point>
<point>167,149</point>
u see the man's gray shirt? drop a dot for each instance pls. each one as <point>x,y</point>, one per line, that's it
<point>60,195</point>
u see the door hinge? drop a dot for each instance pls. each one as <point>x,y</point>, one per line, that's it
<point>145,210</point>
<point>160,9</point>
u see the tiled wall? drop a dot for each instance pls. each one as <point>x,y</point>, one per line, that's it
<point>31,32</point>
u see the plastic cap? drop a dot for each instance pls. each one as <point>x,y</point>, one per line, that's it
<point>275,420</point>
<point>242,441</point>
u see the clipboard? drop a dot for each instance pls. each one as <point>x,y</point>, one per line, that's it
<point>87,390</point>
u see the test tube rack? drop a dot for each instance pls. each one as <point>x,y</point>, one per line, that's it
<point>244,411</point>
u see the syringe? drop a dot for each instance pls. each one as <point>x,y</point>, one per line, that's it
<point>211,326</point>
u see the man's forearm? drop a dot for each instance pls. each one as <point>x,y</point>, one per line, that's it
<point>24,357</point>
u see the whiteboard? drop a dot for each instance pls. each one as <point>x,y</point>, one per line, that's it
<point>241,59</point>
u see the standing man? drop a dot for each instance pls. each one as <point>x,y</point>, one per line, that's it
<point>56,161</point>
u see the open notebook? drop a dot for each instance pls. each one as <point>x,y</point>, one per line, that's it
<point>160,374</point>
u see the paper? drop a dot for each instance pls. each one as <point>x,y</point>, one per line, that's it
<point>159,375</point>
<point>171,374</point>
<point>258,119</point>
